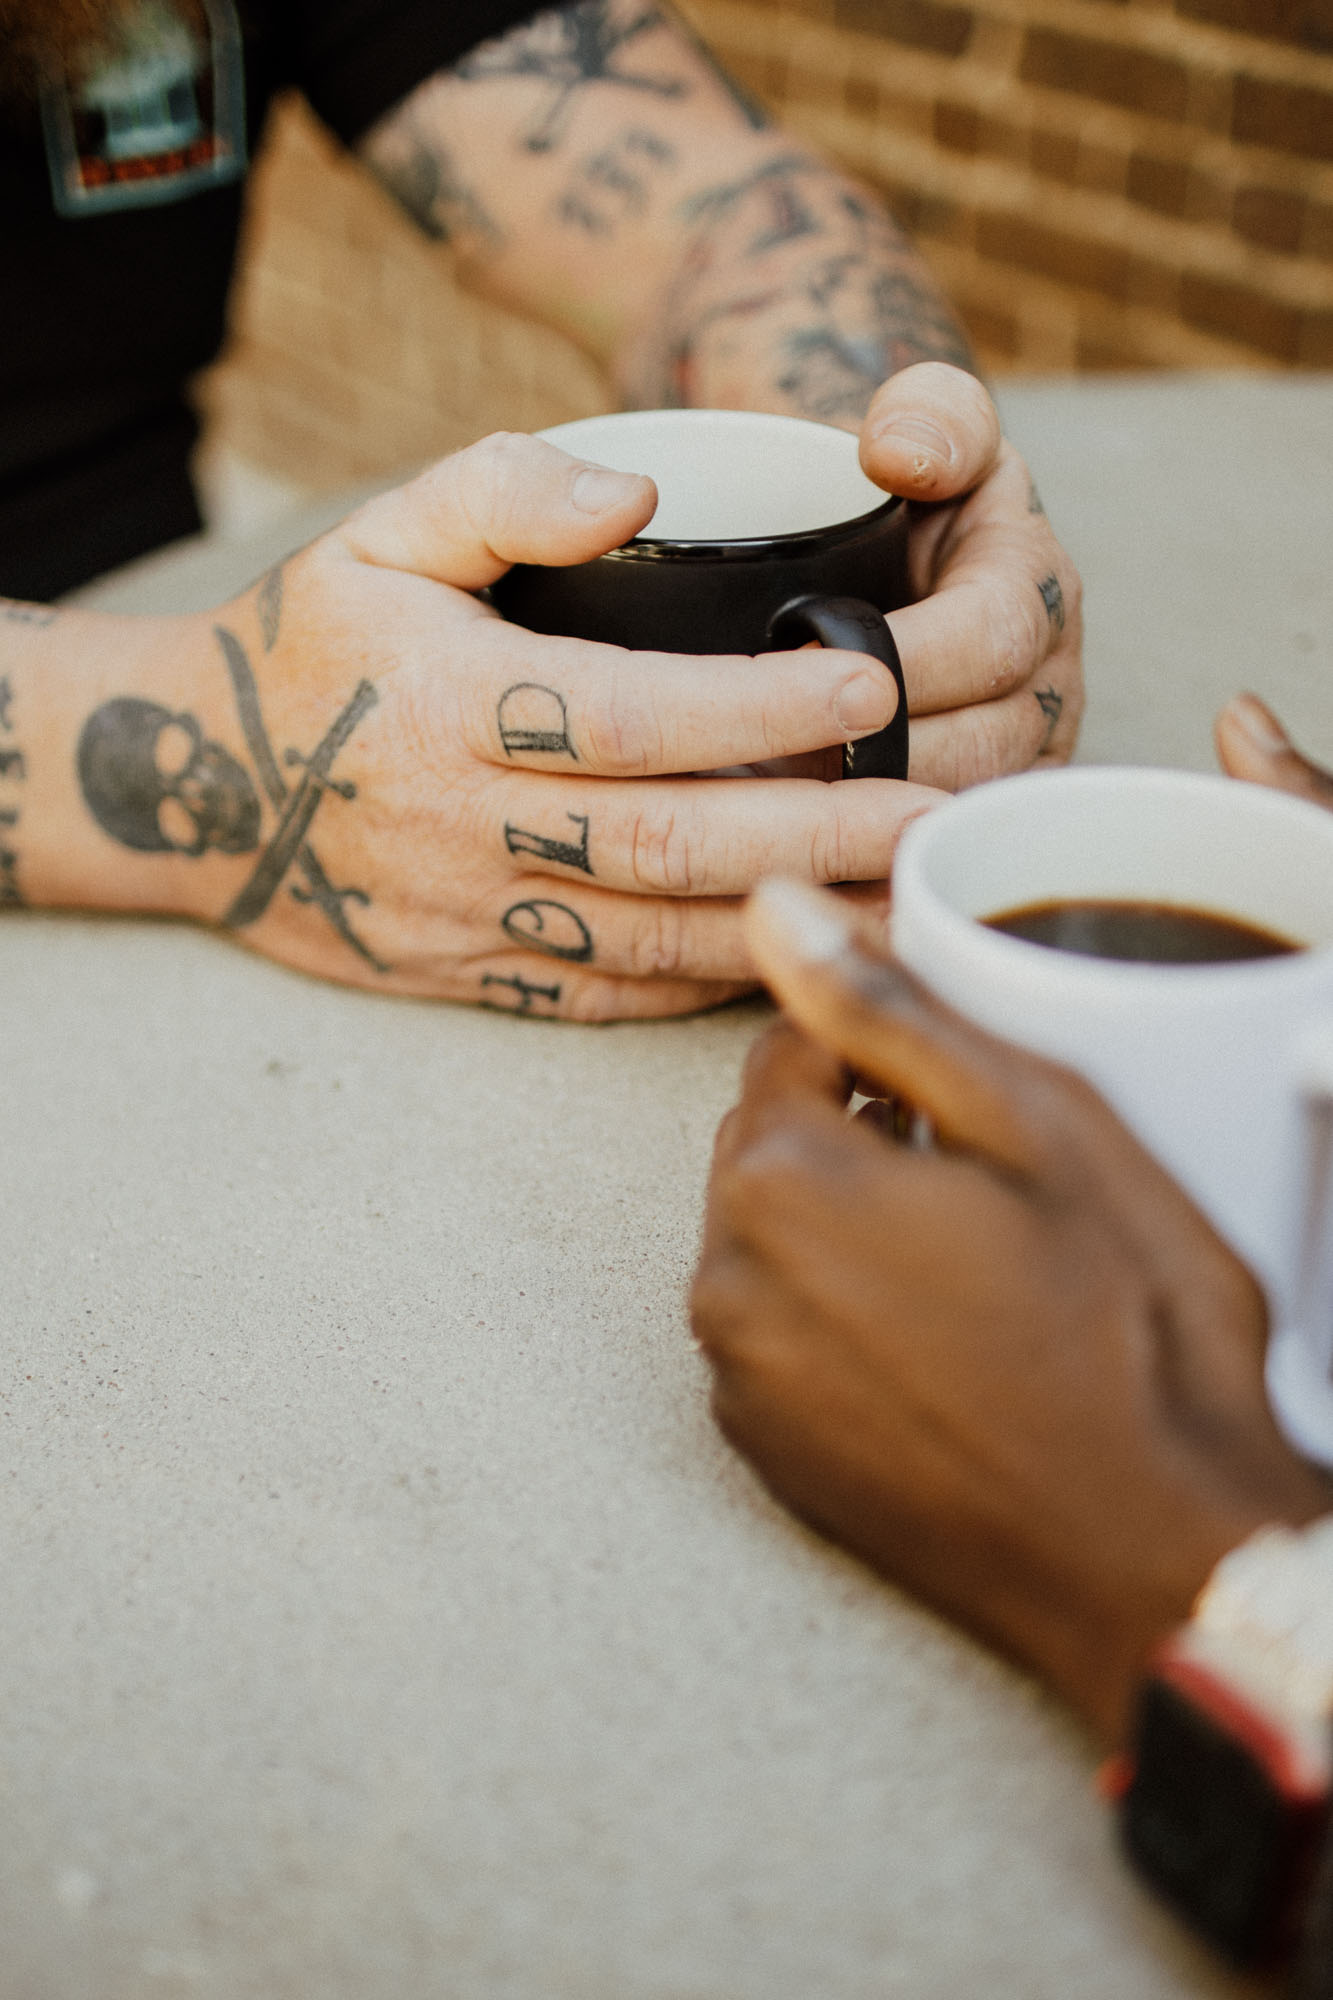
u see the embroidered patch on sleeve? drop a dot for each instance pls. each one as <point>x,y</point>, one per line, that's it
<point>156,117</point>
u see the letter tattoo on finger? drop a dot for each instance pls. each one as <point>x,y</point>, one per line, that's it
<point>574,854</point>
<point>1054,599</point>
<point>1051,705</point>
<point>532,717</point>
<point>551,927</point>
<point>526,990</point>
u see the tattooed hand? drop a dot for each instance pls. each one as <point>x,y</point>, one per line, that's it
<point>595,169</point>
<point>992,650</point>
<point>359,768</point>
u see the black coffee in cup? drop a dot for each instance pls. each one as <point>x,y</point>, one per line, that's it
<point>1141,933</point>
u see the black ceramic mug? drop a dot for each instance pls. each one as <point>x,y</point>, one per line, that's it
<point>767,534</point>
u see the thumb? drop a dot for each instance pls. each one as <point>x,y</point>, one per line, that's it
<point>1251,743</point>
<point>976,1090</point>
<point>507,499</point>
<point>931,432</point>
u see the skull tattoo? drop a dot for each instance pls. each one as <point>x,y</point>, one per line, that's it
<point>154,782</point>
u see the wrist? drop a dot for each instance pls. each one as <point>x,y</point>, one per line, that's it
<point>1178,1552</point>
<point>1227,1787</point>
<point>63,670</point>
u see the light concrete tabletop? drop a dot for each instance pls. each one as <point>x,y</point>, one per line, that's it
<point>383,1615</point>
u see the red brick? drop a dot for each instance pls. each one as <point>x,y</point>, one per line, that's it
<point>1270,217</point>
<point>1074,260</point>
<point>860,96</point>
<point>1319,232</point>
<point>1107,350</point>
<point>963,129</point>
<point>1148,283</point>
<point>1135,78</point>
<point>998,331</point>
<point>1210,199</point>
<point>1102,167</point>
<point>1307,23</point>
<point>1055,154</point>
<point>1241,315</point>
<point>921,24</point>
<point>904,202</point>
<point>1162,185</point>
<point>1289,117</point>
<point>956,127</point>
<point>997,138</point>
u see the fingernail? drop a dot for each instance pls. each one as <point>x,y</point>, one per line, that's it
<point>808,922</point>
<point>596,490</point>
<point>927,443</point>
<point>864,703</point>
<point>1258,722</point>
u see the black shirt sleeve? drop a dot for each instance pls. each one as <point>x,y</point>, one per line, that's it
<point>356,59</point>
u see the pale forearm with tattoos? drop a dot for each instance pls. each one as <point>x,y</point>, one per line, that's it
<point>596,170</point>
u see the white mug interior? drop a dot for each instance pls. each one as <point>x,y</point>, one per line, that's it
<point>1174,837</point>
<point>730,475</point>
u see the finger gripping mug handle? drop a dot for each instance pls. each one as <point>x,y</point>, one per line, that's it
<point>857,627</point>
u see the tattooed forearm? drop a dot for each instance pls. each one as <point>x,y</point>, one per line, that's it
<point>531,717</point>
<point>796,291</point>
<point>12,612</point>
<point>568,51</point>
<point>613,184</point>
<point>13,769</point>
<point>1051,705</point>
<point>550,927</point>
<point>408,155</point>
<point>1054,599</point>
<point>524,990</point>
<point>574,854</point>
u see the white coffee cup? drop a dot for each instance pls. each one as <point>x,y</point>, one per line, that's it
<point>1224,1071</point>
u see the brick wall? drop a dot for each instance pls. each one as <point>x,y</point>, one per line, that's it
<point>1099,183</point>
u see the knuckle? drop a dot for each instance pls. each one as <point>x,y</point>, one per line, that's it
<point>593,1002</point>
<point>662,854</point>
<point>765,1177</point>
<point>619,736</point>
<point>832,856</point>
<point>1016,636</point>
<point>492,485</point>
<point>658,950</point>
<point>715,1302</point>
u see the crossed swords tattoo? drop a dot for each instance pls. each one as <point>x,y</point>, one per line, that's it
<point>296,809</point>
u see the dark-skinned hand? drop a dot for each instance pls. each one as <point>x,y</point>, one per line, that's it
<point>1016,1371</point>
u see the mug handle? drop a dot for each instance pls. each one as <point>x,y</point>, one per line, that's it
<point>852,623</point>
<point>1300,1355</point>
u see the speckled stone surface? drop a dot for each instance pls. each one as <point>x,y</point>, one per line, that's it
<point>382,1614</point>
